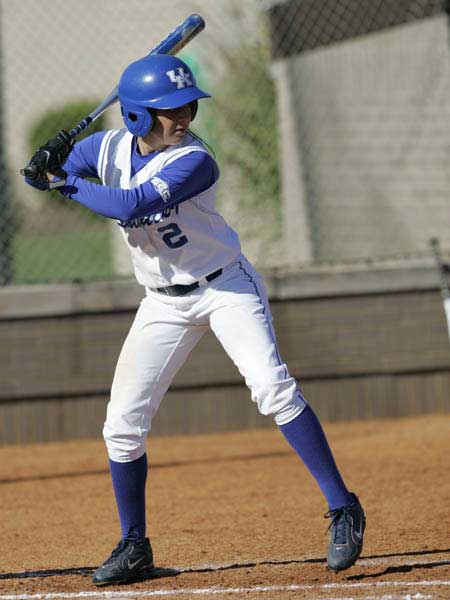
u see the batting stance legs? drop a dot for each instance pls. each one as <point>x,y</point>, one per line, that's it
<point>163,334</point>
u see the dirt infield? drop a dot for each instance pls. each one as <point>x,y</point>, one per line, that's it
<point>234,515</point>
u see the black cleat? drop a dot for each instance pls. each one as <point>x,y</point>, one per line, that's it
<point>346,540</point>
<point>130,561</point>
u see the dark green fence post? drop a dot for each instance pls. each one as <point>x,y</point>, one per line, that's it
<point>6,229</point>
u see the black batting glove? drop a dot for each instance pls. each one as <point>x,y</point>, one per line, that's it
<point>50,157</point>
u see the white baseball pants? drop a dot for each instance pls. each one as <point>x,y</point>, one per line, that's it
<point>164,332</point>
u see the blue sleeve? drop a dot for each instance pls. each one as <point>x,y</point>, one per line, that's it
<point>82,161</point>
<point>182,179</point>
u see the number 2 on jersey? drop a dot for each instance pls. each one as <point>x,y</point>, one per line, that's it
<point>173,236</point>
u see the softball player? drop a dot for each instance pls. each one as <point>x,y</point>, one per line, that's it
<point>159,182</point>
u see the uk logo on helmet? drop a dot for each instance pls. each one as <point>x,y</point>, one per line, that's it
<point>180,77</point>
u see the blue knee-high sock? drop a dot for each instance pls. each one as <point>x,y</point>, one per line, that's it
<point>129,488</point>
<point>306,436</point>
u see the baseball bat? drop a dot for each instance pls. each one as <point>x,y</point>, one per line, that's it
<point>444,278</point>
<point>172,44</point>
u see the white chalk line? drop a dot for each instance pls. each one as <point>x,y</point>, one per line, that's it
<point>216,590</point>
<point>417,596</point>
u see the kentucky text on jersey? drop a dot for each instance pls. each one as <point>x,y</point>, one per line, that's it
<point>156,218</point>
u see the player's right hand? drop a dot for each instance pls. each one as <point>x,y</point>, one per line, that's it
<point>49,158</point>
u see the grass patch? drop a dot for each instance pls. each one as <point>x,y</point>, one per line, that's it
<point>63,257</point>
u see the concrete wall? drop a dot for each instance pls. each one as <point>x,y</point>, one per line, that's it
<point>363,344</point>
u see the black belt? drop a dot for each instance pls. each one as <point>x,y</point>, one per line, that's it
<point>180,290</point>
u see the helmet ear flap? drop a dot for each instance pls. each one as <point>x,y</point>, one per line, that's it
<point>194,108</point>
<point>138,120</point>
<point>152,113</point>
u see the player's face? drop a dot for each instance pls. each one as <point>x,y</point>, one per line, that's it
<point>171,125</point>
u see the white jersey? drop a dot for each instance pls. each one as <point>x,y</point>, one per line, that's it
<point>181,244</point>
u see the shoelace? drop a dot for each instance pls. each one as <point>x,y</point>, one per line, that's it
<point>340,517</point>
<point>117,550</point>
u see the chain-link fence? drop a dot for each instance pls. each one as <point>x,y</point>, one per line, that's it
<point>366,88</point>
<point>330,121</point>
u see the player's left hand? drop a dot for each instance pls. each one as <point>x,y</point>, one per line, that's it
<point>46,182</point>
<point>38,183</point>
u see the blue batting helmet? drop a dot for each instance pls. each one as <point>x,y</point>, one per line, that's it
<point>155,81</point>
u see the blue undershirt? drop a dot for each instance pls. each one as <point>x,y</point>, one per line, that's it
<point>185,177</point>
